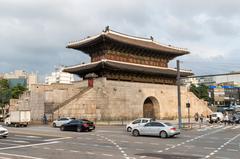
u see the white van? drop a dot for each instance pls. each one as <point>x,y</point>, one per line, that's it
<point>217,116</point>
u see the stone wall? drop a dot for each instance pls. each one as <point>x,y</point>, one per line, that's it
<point>118,100</point>
<point>108,100</point>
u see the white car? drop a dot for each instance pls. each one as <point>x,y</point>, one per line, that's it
<point>137,122</point>
<point>217,116</point>
<point>61,121</point>
<point>3,132</point>
<point>155,128</point>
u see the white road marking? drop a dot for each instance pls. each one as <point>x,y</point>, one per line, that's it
<point>222,157</point>
<point>213,153</point>
<point>90,153</point>
<point>22,156</point>
<point>209,148</point>
<point>46,148</point>
<point>5,158</point>
<point>30,145</point>
<point>60,149</point>
<point>35,137</point>
<point>18,141</point>
<point>4,143</point>
<point>124,141</point>
<point>233,150</point>
<point>56,139</point>
<point>74,151</point>
<point>106,154</point>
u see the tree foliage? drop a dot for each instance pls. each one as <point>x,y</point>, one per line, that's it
<point>6,93</point>
<point>200,91</point>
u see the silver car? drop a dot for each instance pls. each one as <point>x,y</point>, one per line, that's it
<point>61,121</point>
<point>3,132</point>
<point>155,128</point>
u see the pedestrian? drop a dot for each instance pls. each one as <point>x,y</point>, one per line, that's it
<point>196,116</point>
<point>226,119</point>
<point>210,119</point>
<point>201,118</point>
<point>233,119</point>
<point>44,119</point>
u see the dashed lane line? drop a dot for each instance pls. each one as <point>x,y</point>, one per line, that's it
<point>193,139</point>
<point>116,145</point>
<point>221,147</point>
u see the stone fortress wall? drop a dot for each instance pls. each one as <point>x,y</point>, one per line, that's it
<point>107,100</point>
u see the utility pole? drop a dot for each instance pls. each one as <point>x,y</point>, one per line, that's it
<point>179,96</point>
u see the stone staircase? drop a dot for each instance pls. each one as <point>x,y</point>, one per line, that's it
<point>80,93</point>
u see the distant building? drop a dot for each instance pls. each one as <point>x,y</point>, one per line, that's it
<point>20,77</point>
<point>59,77</point>
<point>224,89</point>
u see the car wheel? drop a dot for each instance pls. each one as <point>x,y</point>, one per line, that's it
<point>62,128</point>
<point>163,134</point>
<point>135,133</point>
<point>4,136</point>
<point>54,125</point>
<point>79,129</point>
<point>129,129</point>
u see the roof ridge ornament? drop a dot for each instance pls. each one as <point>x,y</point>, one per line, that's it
<point>107,28</point>
<point>151,37</point>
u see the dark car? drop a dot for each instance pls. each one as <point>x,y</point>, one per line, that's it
<point>91,125</point>
<point>75,125</point>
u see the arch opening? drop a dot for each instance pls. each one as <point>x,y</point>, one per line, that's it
<point>151,108</point>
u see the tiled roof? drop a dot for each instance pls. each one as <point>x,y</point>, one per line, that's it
<point>130,40</point>
<point>124,66</point>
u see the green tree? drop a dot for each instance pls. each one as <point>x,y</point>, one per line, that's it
<point>5,93</point>
<point>200,91</point>
<point>17,91</point>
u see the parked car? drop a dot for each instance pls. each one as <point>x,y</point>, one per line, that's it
<point>76,125</point>
<point>155,128</point>
<point>139,121</point>
<point>217,117</point>
<point>3,132</point>
<point>61,121</point>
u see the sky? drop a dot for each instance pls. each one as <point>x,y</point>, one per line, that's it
<point>34,34</point>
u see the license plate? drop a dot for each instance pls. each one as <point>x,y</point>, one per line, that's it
<point>90,127</point>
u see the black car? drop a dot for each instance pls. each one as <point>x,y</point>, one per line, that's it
<point>75,125</point>
<point>90,124</point>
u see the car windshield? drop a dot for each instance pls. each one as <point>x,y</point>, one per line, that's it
<point>214,115</point>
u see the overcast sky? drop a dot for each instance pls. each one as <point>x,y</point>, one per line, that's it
<point>34,34</point>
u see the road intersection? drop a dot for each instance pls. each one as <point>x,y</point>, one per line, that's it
<point>218,142</point>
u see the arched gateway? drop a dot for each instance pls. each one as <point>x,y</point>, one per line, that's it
<point>151,108</point>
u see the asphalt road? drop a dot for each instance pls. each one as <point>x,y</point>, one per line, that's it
<point>41,142</point>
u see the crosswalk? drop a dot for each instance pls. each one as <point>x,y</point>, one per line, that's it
<point>21,140</point>
<point>211,127</point>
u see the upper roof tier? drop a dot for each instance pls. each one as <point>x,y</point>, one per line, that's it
<point>130,41</point>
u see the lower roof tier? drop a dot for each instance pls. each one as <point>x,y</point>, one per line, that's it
<point>116,70</point>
